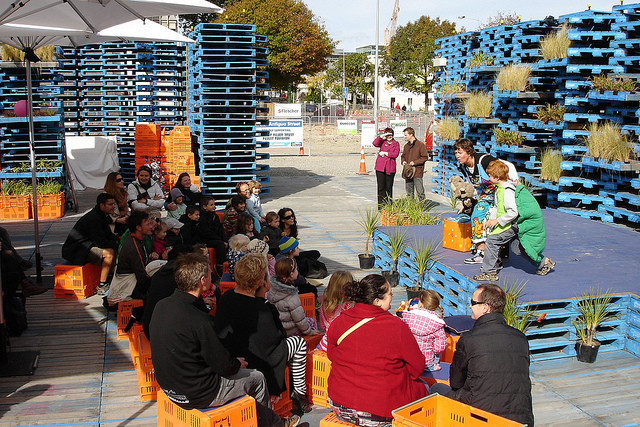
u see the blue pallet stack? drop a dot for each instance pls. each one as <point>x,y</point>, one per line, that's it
<point>109,87</point>
<point>601,42</point>
<point>225,79</point>
<point>48,120</point>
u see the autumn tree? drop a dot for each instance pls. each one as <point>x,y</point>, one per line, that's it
<point>501,18</point>
<point>358,72</point>
<point>408,61</point>
<point>298,44</point>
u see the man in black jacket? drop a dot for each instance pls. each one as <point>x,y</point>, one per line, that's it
<point>490,368</point>
<point>91,239</point>
<point>191,365</point>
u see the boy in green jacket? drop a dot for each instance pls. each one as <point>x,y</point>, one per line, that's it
<point>515,220</point>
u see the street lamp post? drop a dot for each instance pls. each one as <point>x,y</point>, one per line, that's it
<point>375,86</point>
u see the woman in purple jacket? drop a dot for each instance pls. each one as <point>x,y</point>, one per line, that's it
<point>386,164</point>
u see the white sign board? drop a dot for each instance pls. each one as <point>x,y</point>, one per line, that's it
<point>398,126</point>
<point>368,133</point>
<point>347,126</point>
<point>282,133</point>
<point>287,110</point>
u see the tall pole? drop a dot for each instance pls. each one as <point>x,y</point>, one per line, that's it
<point>34,178</point>
<point>375,87</point>
<point>344,98</point>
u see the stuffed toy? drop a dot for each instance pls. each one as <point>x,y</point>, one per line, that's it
<point>464,193</point>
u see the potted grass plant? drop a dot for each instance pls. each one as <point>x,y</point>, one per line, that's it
<point>593,309</point>
<point>397,246</point>
<point>369,222</point>
<point>425,256</point>
<point>607,142</point>
<point>50,199</point>
<point>514,78</point>
<point>514,313</point>
<point>550,162</point>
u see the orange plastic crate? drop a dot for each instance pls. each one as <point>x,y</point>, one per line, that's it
<point>74,293</point>
<point>15,207</point>
<point>456,235</point>
<point>124,315</point>
<point>308,303</point>
<point>76,277</point>
<point>144,350</point>
<point>318,368</point>
<point>436,410</point>
<point>134,350</point>
<point>282,403</point>
<point>50,206</point>
<point>225,267</point>
<point>147,130</point>
<point>226,286</point>
<point>333,420</point>
<point>148,386</point>
<point>240,412</point>
<point>447,355</point>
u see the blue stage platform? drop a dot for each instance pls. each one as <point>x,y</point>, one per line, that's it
<point>589,254</point>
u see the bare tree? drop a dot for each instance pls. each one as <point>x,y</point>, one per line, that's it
<point>502,18</point>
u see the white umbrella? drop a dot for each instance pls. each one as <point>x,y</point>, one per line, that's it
<point>96,15</point>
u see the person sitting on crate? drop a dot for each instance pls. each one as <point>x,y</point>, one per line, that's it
<point>490,367</point>
<point>144,194</point>
<point>91,239</point>
<point>191,365</point>
<point>375,361</point>
<point>114,185</point>
<point>250,327</point>
<point>130,279</point>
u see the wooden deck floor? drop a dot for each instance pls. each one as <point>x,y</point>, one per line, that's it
<point>85,376</point>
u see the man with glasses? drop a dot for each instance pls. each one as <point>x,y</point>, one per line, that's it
<point>490,368</point>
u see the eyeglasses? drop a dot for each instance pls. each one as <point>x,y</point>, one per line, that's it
<point>474,302</point>
<point>288,217</point>
<point>119,179</point>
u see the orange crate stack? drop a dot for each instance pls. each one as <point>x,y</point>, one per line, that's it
<point>148,386</point>
<point>124,315</point>
<point>436,410</point>
<point>50,206</point>
<point>144,350</point>
<point>240,412</point>
<point>282,403</point>
<point>308,303</point>
<point>147,142</point>
<point>332,420</point>
<point>134,334</point>
<point>76,281</point>
<point>15,207</point>
<point>317,375</point>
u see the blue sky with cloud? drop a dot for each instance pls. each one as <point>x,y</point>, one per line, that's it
<point>352,23</point>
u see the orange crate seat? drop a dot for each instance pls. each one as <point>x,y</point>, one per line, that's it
<point>456,235</point>
<point>447,354</point>
<point>308,303</point>
<point>282,404</point>
<point>333,420</point>
<point>15,207</point>
<point>124,315</point>
<point>134,349</point>
<point>148,385</point>
<point>240,412</point>
<point>144,352</point>
<point>436,410</point>
<point>317,375</point>
<point>76,281</point>
<point>446,357</point>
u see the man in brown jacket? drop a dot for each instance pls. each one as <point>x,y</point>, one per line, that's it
<point>415,154</point>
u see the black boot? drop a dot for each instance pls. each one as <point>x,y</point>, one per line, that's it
<point>301,402</point>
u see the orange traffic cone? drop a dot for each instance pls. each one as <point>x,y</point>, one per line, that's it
<point>322,128</point>
<point>363,165</point>
<point>301,152</point>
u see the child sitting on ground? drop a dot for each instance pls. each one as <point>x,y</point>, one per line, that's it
<point>231,213</point>
<point>271,233</point>
<point>178,199</point>
<point>190,224</point>
<point>259,247</point>
<point>289,249</point>
<point>237,249</point>
<point>284,295</point>
<point>426,325</point>
<point>244,225</point>
<point>519,226</point>
<point>254,205</point>
<point>333,303</point>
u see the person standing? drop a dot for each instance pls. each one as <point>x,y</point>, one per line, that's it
<point>490,367</point>
<point>415,154</point>
<point>386,165</point>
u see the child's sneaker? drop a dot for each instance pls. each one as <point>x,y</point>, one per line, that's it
<point>491,276</point>
<point>436,367</point>
<point>546,268</point>
<point>475,259</point>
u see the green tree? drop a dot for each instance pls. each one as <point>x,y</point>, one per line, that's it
<point>359,73</point>
<point>408,60</point>
<point>298,44</point>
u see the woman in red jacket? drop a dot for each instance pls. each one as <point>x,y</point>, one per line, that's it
<point>386,164</point>
<point>375,361</point>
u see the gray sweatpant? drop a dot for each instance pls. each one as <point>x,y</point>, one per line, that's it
<point>495,241</point>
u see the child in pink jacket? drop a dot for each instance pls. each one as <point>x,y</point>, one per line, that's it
<point>427,326</point>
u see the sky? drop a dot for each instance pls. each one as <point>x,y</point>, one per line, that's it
<point>352,23</point>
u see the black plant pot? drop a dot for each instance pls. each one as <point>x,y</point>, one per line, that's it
<point>412,293</point>
<point>392,278</point>
<point>587,353</point>
<point>366,261</point>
